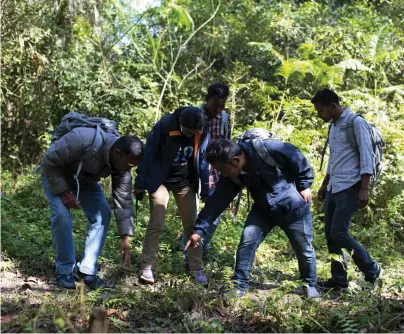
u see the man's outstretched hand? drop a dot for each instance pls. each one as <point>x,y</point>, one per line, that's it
<point>125,249</point>
<point>193,241</point>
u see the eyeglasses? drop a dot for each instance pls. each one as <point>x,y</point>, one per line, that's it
<point>189,132</point>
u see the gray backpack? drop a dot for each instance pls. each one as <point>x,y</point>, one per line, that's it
<point>74,120</point>
<point>377,146</point>
<point>256,136</point>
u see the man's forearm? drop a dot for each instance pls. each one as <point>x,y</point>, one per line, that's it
<point>365,181</point>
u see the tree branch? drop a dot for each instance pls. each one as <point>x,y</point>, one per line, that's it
<point>176,59</point>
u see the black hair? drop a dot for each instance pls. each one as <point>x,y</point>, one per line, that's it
<point>222,150</point>
<point>130,145</point>
<point>218,89</point>
<point>325,96</point>
<point>191,118</point>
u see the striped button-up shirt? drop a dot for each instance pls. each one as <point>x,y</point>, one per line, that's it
<point>346,164</point>
<point>215,125</point>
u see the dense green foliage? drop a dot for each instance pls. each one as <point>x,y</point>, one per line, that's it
<point>103,58</point>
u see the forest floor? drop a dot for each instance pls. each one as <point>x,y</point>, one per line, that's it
<point>31,302</point>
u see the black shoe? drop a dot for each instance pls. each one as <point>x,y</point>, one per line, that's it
<point>92,281</point>
<point>331,284</point>
<point>65,281</point>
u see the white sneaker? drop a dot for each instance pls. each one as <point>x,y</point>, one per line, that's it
<point>147,275</point>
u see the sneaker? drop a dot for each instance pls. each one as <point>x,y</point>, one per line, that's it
<point>199,276</point>
<point>92,281</point>
<point>331,284</point>
<point>311,292</point>
<point>374,280</point>
<point>146,275</point>
<point>65,281</point>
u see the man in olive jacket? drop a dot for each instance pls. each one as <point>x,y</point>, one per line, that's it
<point>71,170</point>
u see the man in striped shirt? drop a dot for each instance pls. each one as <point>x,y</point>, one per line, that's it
<point>218,121</point>
<point>345,187</point>
<point>219,128</point>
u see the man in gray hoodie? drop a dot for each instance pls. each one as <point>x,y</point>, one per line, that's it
<point>71,170</point>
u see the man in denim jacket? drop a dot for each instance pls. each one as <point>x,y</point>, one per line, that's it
<point>281,196</point>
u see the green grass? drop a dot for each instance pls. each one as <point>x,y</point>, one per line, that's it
<point>175,303</point>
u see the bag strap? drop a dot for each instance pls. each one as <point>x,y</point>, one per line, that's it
<point>350,131</point>
<point>225,122</point>
<point>263,153</point>
<point>91,151</point>
<point>76,177</point>
<point>237,205</point>
<point>325,148</point>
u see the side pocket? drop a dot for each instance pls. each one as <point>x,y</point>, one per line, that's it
<point>286,202</point>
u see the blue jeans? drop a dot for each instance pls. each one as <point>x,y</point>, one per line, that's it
<point>257,228</point>
<point>98,213</point>
<point>339,209</point>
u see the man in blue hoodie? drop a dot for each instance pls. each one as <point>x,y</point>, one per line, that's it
<point>281,196</point>
<point>174,151</point>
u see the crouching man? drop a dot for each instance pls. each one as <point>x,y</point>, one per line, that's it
<point>174,150</point>
<point>71,170</point>
<point>278,177</point>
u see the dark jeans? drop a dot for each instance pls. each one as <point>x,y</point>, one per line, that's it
<point>256,229</point>
<point>339,208</point>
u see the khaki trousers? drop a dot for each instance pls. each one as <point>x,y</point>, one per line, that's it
<point>187,205</point>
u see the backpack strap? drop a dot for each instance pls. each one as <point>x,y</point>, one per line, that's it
<point>263,153</point>
<point>237,205</point>
<point>76,177</point>
<point>325,148</point>
<point>98,140</point>
<point>349,130</point>
<point>225,123</point>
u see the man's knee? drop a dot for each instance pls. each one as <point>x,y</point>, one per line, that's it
<point>339,238</point>
<point>250,236</point>
<point>106,212</point>
<point>61,216</point>
<point>304,248</point>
